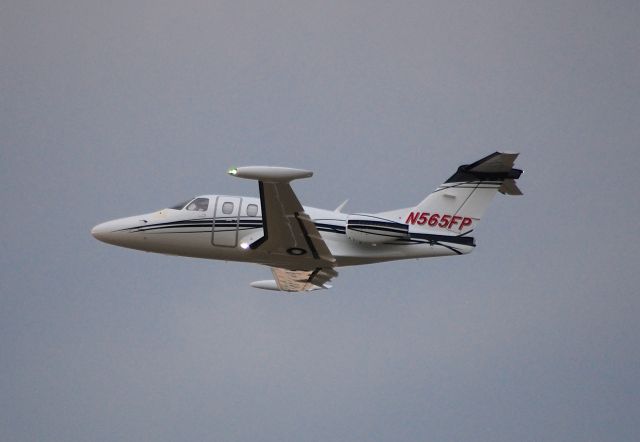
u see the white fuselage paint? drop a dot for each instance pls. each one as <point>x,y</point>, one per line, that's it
<point>194,234</point>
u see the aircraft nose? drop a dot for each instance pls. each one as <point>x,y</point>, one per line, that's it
<point>119,232</point>
<point>102,231</point>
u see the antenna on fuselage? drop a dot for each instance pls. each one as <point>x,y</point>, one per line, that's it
<point>341,206</point>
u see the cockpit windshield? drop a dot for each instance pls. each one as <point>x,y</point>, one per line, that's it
<point>181,205</point>
<point>198,205</point>
<point>195,205</point>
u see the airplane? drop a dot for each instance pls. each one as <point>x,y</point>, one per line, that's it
<point>305,245</point>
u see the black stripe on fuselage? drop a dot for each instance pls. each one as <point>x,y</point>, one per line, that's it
<point>253,223</point>
<point>323,227</point>
<point>368,228</point>
<point>202,222</point>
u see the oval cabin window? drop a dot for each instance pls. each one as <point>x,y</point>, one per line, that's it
<point>252,210</point>
<point>227,208</point>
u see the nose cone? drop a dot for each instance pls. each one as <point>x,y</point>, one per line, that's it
<point>104,232</point>
<point>119,232</point>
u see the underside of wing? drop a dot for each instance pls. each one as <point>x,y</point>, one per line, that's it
<point>301,280</point>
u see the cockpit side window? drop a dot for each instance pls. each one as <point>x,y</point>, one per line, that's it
<point>198,205</point>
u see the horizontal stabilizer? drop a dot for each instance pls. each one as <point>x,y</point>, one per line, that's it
<point>509,187</point>
<point>496,162</point>
<point>495,167</point>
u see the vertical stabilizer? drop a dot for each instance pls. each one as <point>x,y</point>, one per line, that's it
<point>458,204</point>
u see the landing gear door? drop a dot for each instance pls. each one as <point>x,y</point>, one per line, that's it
<point>225,221</point>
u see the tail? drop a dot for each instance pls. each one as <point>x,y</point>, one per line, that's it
<point>458,204</point>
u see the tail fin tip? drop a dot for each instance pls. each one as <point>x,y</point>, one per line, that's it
<point>496,166</point>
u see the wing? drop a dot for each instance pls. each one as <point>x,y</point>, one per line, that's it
<point>290,237</point>
<point>302,281</point>
<point>288,230</point>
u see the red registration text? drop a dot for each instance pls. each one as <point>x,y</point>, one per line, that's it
<point>436,219</point>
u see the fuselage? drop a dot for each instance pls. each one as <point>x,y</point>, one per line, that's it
<point>222,227</point>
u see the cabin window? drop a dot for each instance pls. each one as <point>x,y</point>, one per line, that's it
<point>227,208</point>
<point>252,210</point>
<point>198,205</point>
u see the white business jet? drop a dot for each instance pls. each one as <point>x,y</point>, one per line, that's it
<point>304,245</point>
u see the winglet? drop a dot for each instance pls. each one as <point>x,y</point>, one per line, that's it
<point>270,174</point>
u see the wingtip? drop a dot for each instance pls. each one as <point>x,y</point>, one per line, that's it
<point>270,173</point>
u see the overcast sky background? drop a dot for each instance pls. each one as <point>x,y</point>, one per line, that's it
<point>117,108</point>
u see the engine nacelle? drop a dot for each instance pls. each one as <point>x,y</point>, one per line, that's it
<point>372,229</point>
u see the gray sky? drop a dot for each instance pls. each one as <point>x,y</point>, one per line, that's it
<point>116,108</point>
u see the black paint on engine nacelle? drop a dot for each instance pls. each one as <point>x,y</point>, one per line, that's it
<point>373,229</point>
